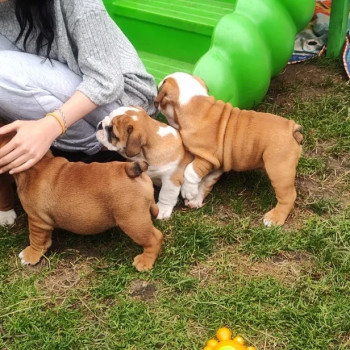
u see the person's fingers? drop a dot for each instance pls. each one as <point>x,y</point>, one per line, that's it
<point>6,149</point>
<point>15,162</point>
<point>10,154</point>
<point>25,166</point>
<point>9,127</point>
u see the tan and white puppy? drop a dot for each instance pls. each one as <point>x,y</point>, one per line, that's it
<point>135,135</point>
<point>85,199</point>
<point>224,138</point>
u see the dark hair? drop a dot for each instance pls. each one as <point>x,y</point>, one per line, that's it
<point>35,17</point>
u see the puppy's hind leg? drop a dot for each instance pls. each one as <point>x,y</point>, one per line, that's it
<point>141,230</point>
<point>282,176</point>
<point>205,187</point>
<point>40,242</point>
<point>193,175</point>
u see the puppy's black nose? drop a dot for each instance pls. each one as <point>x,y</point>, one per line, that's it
<point>99,126</point>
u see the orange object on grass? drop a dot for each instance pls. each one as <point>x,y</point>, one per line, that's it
<point>225,342</point>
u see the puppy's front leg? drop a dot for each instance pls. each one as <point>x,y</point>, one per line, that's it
<point>167,199</point>
<point>194,173</point>
<point>40,242</point>
<point>7,213</point>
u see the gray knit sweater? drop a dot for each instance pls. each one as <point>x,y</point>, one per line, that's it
<point>92,46</point>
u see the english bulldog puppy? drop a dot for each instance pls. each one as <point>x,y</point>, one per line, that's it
<point>84,199</point>
<point>224,138</point>
<point>135,135</point>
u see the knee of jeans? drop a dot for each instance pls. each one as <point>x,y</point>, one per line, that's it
<point>10,70</point>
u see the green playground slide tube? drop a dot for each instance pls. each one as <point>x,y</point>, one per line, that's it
<point>248,46</point>
<point>251,45</point>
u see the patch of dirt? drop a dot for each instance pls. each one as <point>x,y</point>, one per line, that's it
<point>297,217</point>
<point>65,277</point>
<point>312,187</point>
<point>143,290</point>
<point>224,214</point>
<point>205,272</point>
<point>344,341</point>
<point>288,86</point>
<point>286,267</point>
<point>336,163</point>
<point>309,187</point>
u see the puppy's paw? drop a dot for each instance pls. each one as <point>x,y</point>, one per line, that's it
<point>190,187</point>
<point>7,217</point>
<point>274,218</point>
<point>143,262</point>
<point>189,190</point>
<point>164,211</point>
<point>29,256</point>
<point>195,203</point>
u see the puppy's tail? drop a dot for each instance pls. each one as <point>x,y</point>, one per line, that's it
<point>298,134</point>
<point>135,169</point>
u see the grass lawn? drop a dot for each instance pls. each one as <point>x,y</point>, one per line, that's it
<point>280,288</point>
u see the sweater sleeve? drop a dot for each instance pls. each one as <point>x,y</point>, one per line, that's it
<point>98,43</point>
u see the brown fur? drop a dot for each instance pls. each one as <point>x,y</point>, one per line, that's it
<point>135,135</point>
<point>85,199</point>
<point>227,138</point>
<point>6,192</point>
<point>141,135</point>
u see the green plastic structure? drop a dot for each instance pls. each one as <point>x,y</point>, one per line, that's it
<point>338,25</point>
<point>236,46</point>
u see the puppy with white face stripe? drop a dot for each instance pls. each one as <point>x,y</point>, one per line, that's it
<point>135,135</point>
<point>223,138</point>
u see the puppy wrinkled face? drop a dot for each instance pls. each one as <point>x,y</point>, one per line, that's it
<point>102,133</point>
<point>121,131</point>
<point>108,135</point>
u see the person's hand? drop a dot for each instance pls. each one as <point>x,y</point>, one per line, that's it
<point>32,140</point>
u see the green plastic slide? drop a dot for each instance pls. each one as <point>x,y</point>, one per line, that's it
<point>236,46</point>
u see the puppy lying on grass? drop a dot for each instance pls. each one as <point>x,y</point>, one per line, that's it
<point>85,199</point>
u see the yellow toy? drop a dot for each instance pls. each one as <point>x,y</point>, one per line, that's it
<point>225,342</point>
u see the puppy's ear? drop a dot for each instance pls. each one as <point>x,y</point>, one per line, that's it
<point>134,142</point>
<point>159,97</point>
<point>163,95</point>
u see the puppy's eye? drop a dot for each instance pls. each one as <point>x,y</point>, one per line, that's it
<point>111,136</point>
<point>114,138</point>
